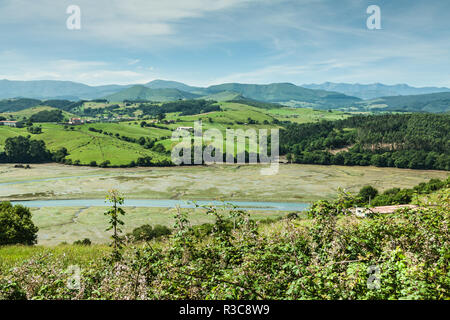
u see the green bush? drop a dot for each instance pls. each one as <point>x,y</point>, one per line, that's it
<point>367,194</point>
<point>84,242</point>
<point>147,232</point>
<point>16,226</point>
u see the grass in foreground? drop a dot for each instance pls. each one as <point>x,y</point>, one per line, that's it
<point>68,254</point>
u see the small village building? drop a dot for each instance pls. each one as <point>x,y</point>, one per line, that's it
<point>189,129</point>
<point>8,123</point>
<point>364,212</point>
<point>76,121</point>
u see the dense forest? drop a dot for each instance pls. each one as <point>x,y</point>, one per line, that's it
<point>415,141</point>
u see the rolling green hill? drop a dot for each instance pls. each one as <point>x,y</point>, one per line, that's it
<point>87,146</point>
<point>374,90</point>
<point>114,141</point>
<point>223,96</point>
<point>143,93</point>
<point>21,95</point>
<point>44,89</point>
<point>12,105</point>
<point>27,113</point>
<point>286,92</point>
<point>433,102</point>
<point>164,84</point>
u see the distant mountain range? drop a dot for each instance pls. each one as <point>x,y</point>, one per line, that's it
<point>282,93</point>
<point>348,97</point>
<point>160,90</point>
<point>51,89</point>
<point>375,90</point>
<point>433,102</point>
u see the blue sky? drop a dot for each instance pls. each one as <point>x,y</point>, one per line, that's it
<point>204,42</point>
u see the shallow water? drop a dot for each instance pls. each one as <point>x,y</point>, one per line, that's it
<point>151,203</point>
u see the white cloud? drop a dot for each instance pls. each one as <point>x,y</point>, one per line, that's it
<point>88,72</point>
<point>212,41</point>
<point>131,21</point>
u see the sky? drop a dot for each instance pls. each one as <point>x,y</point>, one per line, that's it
<point>206,42</point>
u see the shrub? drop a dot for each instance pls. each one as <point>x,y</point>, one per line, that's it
<point>292,215</point>
<point>84,242</point>
<point>16,226</point>
<point>147,232</point>
<point>105,164</point>
<point>367,194</point>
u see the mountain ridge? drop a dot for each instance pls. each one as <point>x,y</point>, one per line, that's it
<point>375,90</point>
<point>142,92</point>
<point>287,94</point>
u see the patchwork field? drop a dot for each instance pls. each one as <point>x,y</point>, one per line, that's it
<point>85,146</point>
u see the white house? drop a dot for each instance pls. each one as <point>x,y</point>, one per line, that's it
<point>189,129</point>
<point>8,123</point>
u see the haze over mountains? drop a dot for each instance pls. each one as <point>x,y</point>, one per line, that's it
<point>325,96</point>
<point>375,90</point>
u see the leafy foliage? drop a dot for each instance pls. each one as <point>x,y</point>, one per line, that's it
<point>22,150</point>
<point>330,257</point>
<point>115,223</point>
<point>16,226</point>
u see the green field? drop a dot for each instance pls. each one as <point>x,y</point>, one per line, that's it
<point>305,115</point>
<point>86,146</point>
<point>27,113</point>
<point>293,183</point>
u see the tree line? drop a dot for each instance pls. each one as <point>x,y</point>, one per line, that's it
<point>22,149</point>
<point>415,141</point>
